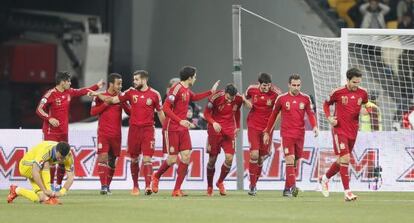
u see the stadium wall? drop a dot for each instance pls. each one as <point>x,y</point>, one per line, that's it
<point>372,151</point>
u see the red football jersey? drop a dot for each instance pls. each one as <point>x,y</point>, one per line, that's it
<point>176,105</point>
<point>110,116</point>
<point>143,104</point>
<point>347,108</point>
<point>262,105</point>
<point>227,114</point>
<point>55,104</point>
<point>293,109</point>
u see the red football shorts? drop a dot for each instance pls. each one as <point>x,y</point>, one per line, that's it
<point>177,141</point>
<point>342,144</point>
<point>216,142</point>
<point>57,137</point>
<point>141,140</point>
<point>256,141</point>
<point>292,146</point>
<point>109,145</point>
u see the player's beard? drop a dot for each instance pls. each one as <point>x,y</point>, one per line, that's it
<point>139,87</point>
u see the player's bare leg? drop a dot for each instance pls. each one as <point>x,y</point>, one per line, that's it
<point>210,174</point>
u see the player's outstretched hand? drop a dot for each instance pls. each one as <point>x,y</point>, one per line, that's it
<point>215,85</point>
<point>100,83</point>
<point>54,122</point>
<point>266,138</point>
<point>92,93</point>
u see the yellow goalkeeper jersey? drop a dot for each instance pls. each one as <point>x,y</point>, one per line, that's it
<point>45,152</point>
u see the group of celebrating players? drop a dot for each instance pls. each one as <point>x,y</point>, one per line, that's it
<point>222,112</point>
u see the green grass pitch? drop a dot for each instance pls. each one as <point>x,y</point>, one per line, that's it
<point>268,206</point>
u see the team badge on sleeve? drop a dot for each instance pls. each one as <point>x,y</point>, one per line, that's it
<point>210,105</point>
<point>171,98</point>
<point>43,101</point>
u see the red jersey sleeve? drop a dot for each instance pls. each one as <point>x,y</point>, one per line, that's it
<point>124,96</point>
<point>43,104</point>
<point>199,96</point>
<point>271,123</point>
<point>310,113</point>
<point>82,91</point>
<point>328,102</point>
<point>127,107</point>
<point>98,106</point>
<point>158,101</point>
<point>167,107</point>
<point>208,112</point>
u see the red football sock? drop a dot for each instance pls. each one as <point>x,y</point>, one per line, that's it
<point>110,175</point>
<point>290,176</point>
<point>344,175</point>
<point>163,168</point>
<point>52,173</point>
<point>259,172</point>
<point>103,170</point>
<point>253,169</point>
<point>60,173</point>
<point>181,173</point>
<point>224,171</point>
<point>135,173</point>
<point>334,169</point>
<point>147,174</point>
<point>210,176</point>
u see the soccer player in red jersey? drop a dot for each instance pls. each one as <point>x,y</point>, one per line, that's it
<point>54,110</point>
<point>292,105</point>
<point>144,101</point>
<point>176,126</point>
<point>348,101</point>
<point>261,98</point>
<point>109,131</point>
<point>223,116</point>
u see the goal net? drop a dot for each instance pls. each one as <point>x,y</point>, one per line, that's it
<point>383,156</point>
<point>386,58</point>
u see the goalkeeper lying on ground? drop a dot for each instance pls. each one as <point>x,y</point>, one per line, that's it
<point>35,166</point>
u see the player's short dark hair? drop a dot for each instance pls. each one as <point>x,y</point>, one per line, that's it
<point>187,72</point>
<point>264,78</point>
<point>113,76</point>
<point>353,72</point>
<point>142,74</point>
<point>62,76</point>
<point>294,77</point>
<point>230,89</point>
<point>63,148</point>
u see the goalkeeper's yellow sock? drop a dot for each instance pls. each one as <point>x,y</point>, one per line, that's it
<point>29,194</point>
<point>46,178</point>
